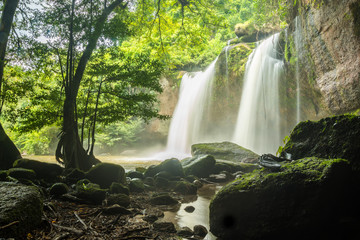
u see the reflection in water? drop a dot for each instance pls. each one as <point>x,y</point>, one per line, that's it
<point>181,218</point>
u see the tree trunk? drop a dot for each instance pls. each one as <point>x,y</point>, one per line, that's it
<point>8,151</point>
<point>70,149</point>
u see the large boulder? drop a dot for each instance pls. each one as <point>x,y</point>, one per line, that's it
<point>199,166</point>
<point>172,166</point>
<point>225,150</point>
<point>20,209</point>
<point>232,167</point>
<point>333,137</point>
<point>105,174</point>
<point>42,169</point>
<point>307,199</point>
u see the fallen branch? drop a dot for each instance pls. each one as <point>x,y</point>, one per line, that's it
<point>69,229</point>
<point>81,221</point>
<point>9,225</point>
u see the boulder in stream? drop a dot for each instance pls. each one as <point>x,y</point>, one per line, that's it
<point>308,198</point>
<point>199,166</point>
<point>171,166</point>
<point>225,151</point>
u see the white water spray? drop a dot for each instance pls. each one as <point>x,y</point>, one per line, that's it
<point>297,41</point>
<point>191,109</point>
<point>258,123</point>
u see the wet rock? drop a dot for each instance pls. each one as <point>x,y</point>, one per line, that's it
<point>172,166</point>
<point>42,169</point>
<point>135,174</point>
<point>263,204</point>
<point>198,184</point>
<point>199,166</point>
<point>189,209</point>
<point>333,137</point>
<point>200,231</point>
<point>149,181</point>
<point>163,174</point>
<point>116,210</point>
<point>219,178</point>
<point>119,188</point>
<point>136,185</point>
<point>22,173</point>
<point>105,174</point>
<point>150,218</point>
<point>164,227</point>
<point>58,189</point>
<point>161,182</point>
<point>20,206</point>
<point>225,151</point>
<point>140,169</point>
<point>90,191</point>
<point>119,199</point>
<point>185,188</point>
<point>185,232</point>
<point>163,199</point>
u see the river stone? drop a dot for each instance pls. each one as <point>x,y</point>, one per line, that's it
<point>42,169</point>
<point>119,188</point>
<point>136,185</point>
<point>286,204</point>
<point>135,174</point>
<point>185,232</point>
<point>58,189</point>
<point>189,209</point>
<point>199,166</point>
<point>232,167</point>
<point>163,199</point>
<point>89,191</point>
<point>105,174</point>
<point>164,227</point>
<point>116,210</point>
<point>333,137</point>
<point>19,203</point>
<point>200,231</point>
<point>225,150</point>
<point>185,188</point>
<point>120,199</point>
<point>172,166</point>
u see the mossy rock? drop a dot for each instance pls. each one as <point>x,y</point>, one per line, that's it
<point>119,188</point>
<point>163,199</point>
<point>172,166</point>
<point>286,204</point>
<point>105,174</point>
<point>120,199</point>
<point>136,185</point>
<point>134,174</point>
<point>21,205</point>
<point>89,191</point>
<point>199,166</point>
<point>225,151</point>
<point>161,182</point>
<point>185,188</point>
<point>58,189</point>
<point>42,169</point>
<point>74,175</point>
<point>333,137</point>
<point>22,173</point>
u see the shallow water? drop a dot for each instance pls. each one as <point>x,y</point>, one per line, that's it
<point>200,216</point>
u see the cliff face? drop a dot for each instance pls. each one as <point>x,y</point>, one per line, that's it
<point>329,60</point>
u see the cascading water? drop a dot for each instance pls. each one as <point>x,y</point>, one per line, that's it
<point>186,125</point>
<point>297,41</point>
<point>258,123</point>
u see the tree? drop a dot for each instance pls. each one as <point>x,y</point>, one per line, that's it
<point>8,151</point>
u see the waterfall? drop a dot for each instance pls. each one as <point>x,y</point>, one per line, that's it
<point>190,112</point>
<point>258,123</point>
<point>297,41</point>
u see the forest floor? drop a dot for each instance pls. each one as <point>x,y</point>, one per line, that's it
<point>71,220</point>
